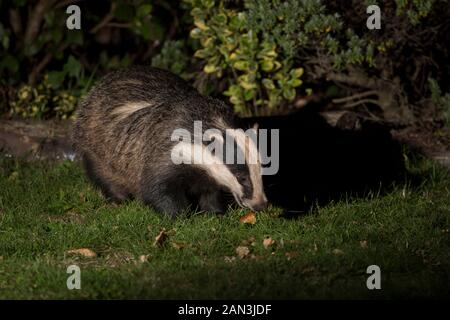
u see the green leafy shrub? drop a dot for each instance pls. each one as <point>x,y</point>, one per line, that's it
<point>172,57</point>
<point>265,55</point>
<point>256,46</point>
<point>415,10</point>
<point>43,101</point>
<point>35,43</point>
<point>235,45</point>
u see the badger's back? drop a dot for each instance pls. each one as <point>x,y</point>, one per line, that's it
<point>126,121</point>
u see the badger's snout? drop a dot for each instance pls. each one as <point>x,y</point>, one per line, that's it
<point>256,204</point>
<point>260,206</point>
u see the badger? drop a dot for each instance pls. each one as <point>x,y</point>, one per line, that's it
<point>123,135</point>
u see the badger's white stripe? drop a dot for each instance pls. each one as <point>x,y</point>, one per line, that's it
<point>128,109</point>
<point>199,155</point>
<point>253,160</point>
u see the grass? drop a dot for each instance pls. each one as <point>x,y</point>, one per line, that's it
<point>47,209</point>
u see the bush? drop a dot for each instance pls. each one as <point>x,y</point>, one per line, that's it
<point>35,44</point>
<point>265,56</point>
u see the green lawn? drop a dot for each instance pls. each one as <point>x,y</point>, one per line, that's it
<point>47,209</point>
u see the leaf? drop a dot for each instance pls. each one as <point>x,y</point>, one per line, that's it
<point>200,23</point>
<point>268,83</point>
<point>297,73</point>
<point>249,94</point>
<point>56,78</point>
<point>85,252</point>
<point>338,252</point>
<point>229,259</point>
<point>289,93</point>
<point>363,244</point>
<point>241,65</point>
<point>160,238</point>
<point>220,19</point>
<point>242,251</point>
<point>267,242</point>
<point>195,33</point>
<point>144,10</point>
<point>143,258</point>
<point>267,65</point>
<point>10,62</point>
<point>249,218</point>
<point>73,67</point>
<point>295,82</point>
<point>202,53</point>
<point>179,245</point>
<point>291,255</point>
<point>209,68</point>
<point>124,12</point>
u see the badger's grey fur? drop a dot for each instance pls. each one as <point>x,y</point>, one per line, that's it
<point>123,134</point>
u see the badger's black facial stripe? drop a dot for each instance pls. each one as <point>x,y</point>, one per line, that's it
<point>242,174</point>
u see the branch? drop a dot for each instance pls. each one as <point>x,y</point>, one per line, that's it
<point>355,96</point>
<point>38,68</point>
<point>35,19</point>
<point>42,64</point>
<point>106,19</point>
<point>359,102</point>
<point>15,21</point>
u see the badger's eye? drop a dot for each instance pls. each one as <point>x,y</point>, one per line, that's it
<point>243,180</point>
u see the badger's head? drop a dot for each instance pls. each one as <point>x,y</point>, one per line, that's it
<point>232,160</point>
<point>247,189</point>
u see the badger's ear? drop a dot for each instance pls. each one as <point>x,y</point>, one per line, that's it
<point>255,127</point>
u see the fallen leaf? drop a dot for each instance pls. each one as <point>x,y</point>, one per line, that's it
<point>291,255</point>
<point>88,253</point>
<point>242,251</point>
<point>267,242</point>
<point>257,258</point>
<point>338,252</point>
<point>363,244</point>
<point>229,259</point>
<point>160,238</point>
<point>179,246</point>
<point>249,218</point>
<point>143,258</point>
<point>308,270</point>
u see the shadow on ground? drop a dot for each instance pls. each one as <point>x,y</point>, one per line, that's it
<point>319,163</point>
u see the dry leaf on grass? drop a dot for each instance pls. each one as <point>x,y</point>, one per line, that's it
<point>338,252</point>
<point>179,245</point>
<point>363,244</point>
<point>249,218</point>
<point>248,242</point>
<point>267,242</point>
<point>85,252</point>
<point>160,238</point>
<point>242,251</point>
<point>291,255</point>
<point>229,259</point>
<point>143,258</point>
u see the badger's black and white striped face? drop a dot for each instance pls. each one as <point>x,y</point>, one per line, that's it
<point>248,173</point>
<point>242,176</point>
